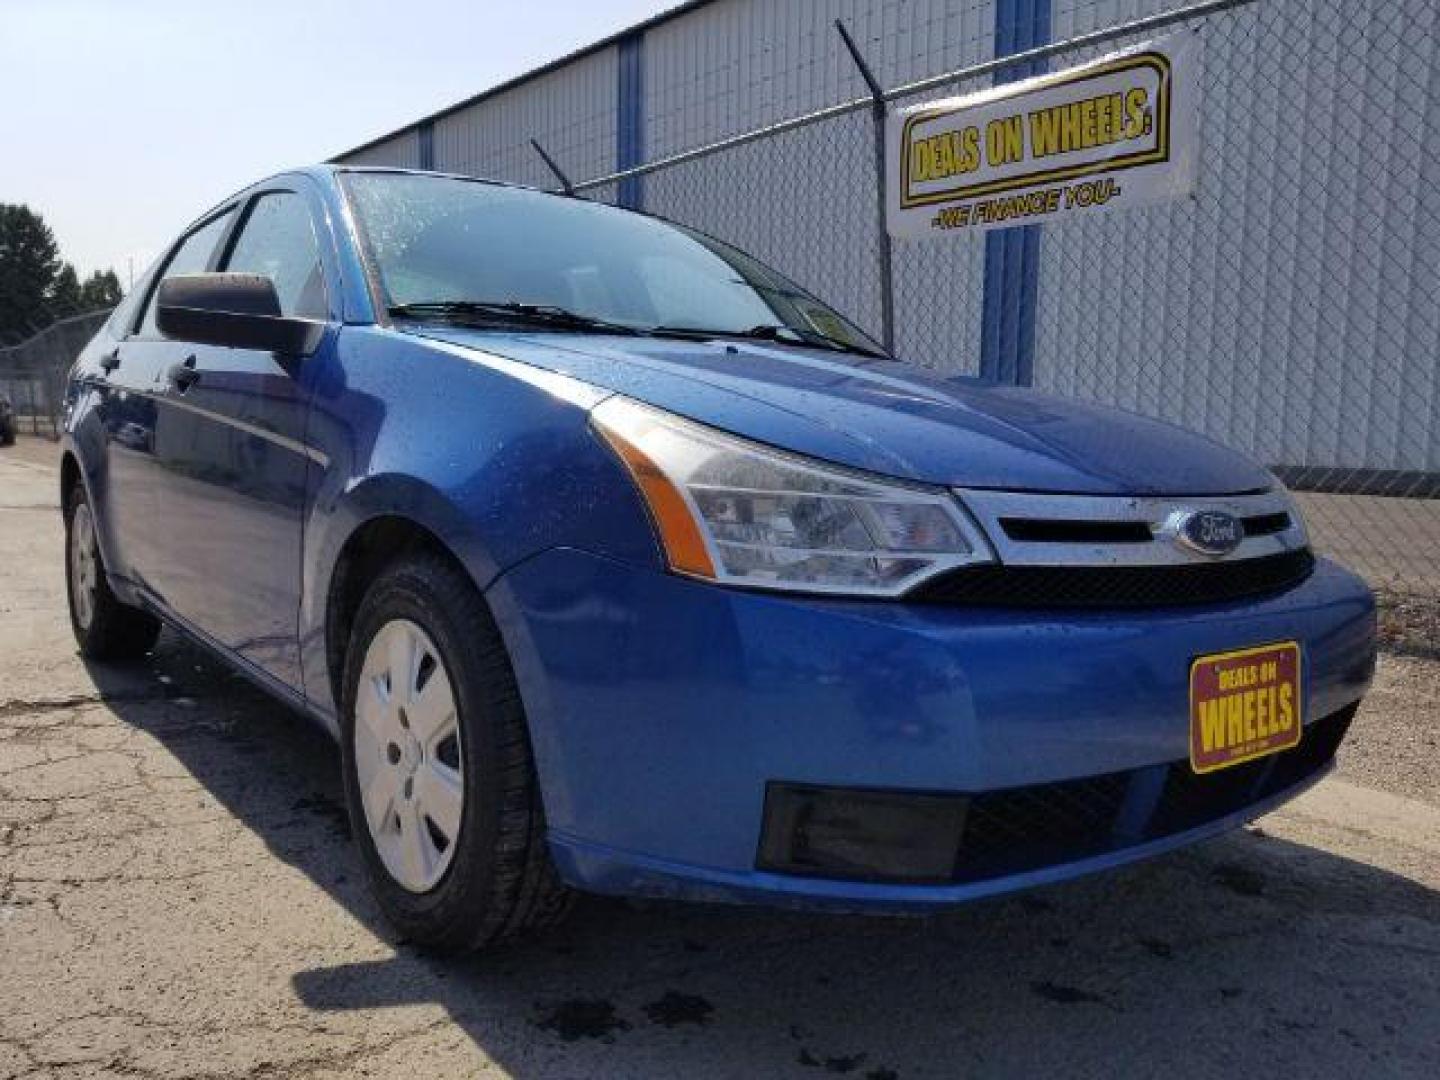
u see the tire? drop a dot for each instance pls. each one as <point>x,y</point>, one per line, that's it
<point>105,629</point>
<point>407,743</point>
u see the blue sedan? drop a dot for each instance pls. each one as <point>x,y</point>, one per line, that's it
<point>616,561</point>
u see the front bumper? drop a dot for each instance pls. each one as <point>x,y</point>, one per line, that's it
<point>661,709</point>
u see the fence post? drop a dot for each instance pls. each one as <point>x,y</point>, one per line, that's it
<point>565,184</point>
<point>877,111</point>
<point>55,395</point>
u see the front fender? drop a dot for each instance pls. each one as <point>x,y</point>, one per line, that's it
<point>495,459</point>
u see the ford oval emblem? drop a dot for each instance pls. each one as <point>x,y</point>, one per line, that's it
<point>1209,532</point>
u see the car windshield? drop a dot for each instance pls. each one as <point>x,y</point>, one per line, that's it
<point>444,247</point>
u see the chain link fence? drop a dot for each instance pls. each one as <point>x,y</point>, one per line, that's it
<point>822,232</point>
<point>1288,308</point>
<point>32,374</point>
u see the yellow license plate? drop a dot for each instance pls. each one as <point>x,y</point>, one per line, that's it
<point>1244,705</point>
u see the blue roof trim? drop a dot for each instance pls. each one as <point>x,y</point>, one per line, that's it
<point>630,119</point>
<point>1012,256</point>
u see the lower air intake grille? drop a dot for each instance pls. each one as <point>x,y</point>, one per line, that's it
<point>1019,829</point>
<point>896,836</point>
<point>1116,586</point>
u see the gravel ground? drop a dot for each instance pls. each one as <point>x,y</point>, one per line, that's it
<point>1395,742</point>
<point>1409,625</point>
<point>179,898</point>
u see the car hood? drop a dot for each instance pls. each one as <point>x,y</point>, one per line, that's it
<point>887,417</point>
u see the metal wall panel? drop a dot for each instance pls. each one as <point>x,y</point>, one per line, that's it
<point>1289,309</point>
<point>734,65</point>
<point>401,151</point>
<point>571,111</point>
<point>805,203</point>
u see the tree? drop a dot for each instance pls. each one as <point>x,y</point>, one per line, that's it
<point>100,290</point>
<point>36,285</point>
<point>29,266</point>
<point>65,299</point>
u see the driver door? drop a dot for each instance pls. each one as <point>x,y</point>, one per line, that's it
<point>230,436</point>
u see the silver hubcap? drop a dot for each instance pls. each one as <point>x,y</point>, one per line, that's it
<point>84,566</point>
<point>407,755</point>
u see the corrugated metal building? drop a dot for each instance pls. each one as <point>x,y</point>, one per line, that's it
<point>1289,308</point>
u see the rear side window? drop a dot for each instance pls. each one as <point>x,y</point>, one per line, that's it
<point>118,325</point>
<point>278,240</point>
<point>191,257</point>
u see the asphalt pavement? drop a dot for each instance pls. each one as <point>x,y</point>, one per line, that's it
<point>179,897</point>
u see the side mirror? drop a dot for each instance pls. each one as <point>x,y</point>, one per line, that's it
<point>238,310</point>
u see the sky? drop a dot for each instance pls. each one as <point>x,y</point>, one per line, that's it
<point>121,120</point>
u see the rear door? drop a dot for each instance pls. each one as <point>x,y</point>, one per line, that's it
<point>127,407</point>
<point>231,439</point>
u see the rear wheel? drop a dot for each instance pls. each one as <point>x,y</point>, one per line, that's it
<point>105,629</point>
<point>439,779</point>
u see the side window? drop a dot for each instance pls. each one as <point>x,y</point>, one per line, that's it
<point>191,257</point>
<point>277,240</point>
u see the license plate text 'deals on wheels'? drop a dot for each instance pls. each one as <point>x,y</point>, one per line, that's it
<point>1244,705</point>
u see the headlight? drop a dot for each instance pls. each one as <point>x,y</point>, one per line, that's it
<point>737,512</point>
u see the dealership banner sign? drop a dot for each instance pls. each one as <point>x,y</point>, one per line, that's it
<point>1117,132</point>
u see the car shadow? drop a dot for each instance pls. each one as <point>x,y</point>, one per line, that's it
<point>1245,953</point>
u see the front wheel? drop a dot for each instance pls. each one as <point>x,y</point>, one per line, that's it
<point>439,779</point>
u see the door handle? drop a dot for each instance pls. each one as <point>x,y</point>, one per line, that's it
<point>110,361</point>
<point>183,376</point>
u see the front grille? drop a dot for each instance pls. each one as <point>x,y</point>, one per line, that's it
<point>1065,531</point>
<point>1189,799</point>
<point>1042,531</point>
<point>1116,586</point>
<point>1019,829</point>
<point>1022,828</point>
<point>898,836</point>
<point>1266,524</point>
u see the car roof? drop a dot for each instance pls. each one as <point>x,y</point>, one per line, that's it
<point>326,173</point>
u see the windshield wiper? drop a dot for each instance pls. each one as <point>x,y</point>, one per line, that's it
<point>771,332</point>
<point>547,315</point>
<point>554,317</point>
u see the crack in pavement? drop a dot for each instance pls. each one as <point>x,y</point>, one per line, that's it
<point>39,706</point>
<point>125,1060</point>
